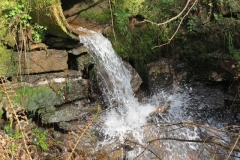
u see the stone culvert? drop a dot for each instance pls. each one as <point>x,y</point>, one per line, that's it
<point>63,16</point>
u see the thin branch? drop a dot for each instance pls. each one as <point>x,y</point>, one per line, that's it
<point>233,147</point>
<point>170,20</point>
<point>177,27</point>
<point>145,148</point>
<point>114,35</point>
<point>197,141</point>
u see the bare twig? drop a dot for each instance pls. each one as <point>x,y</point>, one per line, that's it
<point>114,35</point>
<point>178,26</point>
<point>197,141</point>
<point>16,116</point>
<point>170,20</point>
<point>85,130</point>
<point>145,148</point>
<point>233,147</point>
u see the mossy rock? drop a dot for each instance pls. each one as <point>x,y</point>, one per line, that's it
<point>33,98</point>
<point>8,62</point>
<point>49,13</point>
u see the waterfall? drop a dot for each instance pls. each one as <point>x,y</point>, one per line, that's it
<point>115,76</point>
<point>129,115</point>
<point>126,118</point>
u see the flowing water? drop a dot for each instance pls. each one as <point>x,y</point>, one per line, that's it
<point>129,123</point>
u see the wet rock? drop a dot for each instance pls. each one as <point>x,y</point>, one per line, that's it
<point>160,74</point>
<point>167,74</point>
<point>204,98</point>
<point>217,77</point>
<point>44,61</point>
<point>78,50</point>
<point>68,114</point>
<point>229,65</point>
<point>225,70</point>
<point>136,80</point>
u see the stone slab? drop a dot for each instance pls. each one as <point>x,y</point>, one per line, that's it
<point>44,61</point>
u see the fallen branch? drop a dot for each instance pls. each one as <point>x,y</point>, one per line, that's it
<point>235,148</point>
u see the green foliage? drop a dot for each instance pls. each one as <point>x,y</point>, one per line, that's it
<point>8,61</point>
<point>13,147</point>
<point>133,6</point>
<point>218,17</point>
<point>191,26</point>
<point>41,138</point>
<point>14,133</point>
<point>229,43</point>
<point>38,32</point>
<point>122,17</point>
<point>17,17</point>
<point>96,16</point>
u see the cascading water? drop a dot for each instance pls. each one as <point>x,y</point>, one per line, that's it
<point>117,89</point>
<point>128,120</point>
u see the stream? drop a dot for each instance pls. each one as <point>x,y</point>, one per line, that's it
<point>177,124</point>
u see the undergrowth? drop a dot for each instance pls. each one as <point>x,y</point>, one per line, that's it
<point>20,139</point>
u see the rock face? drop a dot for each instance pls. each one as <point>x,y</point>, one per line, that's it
<point>67,112</point>
<point>43,92</point>
<point>69,84</point>
<point>166,73</point>
<point>44,61</point>
<point>169,73</point>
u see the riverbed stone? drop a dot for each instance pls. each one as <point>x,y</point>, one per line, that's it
<point>48,60</point>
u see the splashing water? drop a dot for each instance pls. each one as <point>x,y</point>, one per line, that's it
<point>130,118</point>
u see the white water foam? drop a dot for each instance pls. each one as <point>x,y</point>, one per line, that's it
<point>128,119</point>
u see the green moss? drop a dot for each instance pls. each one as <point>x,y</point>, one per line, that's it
<point>136,46</point>
<point>97,16</point>
<point>8,62</point>
<point>34,98</point>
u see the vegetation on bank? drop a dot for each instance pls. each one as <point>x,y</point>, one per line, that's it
<point>207,33</point>
<point>204,32</point>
